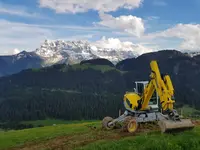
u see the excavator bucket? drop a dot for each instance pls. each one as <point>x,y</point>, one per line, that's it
<point>169,126</point>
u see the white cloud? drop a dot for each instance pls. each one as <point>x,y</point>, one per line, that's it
<point>18,30</point>
<point>130,24</point>
<point>16,51</point>
<point>57,26</point>
<point>76,37</point>
<point>21,36</point>
<point>150,18</point>
<point>18,11</point>
<point>189,33</point>
<point>115,43</point>
<point>15,37</point>
<point>159,3</point>
<point>80,6</point>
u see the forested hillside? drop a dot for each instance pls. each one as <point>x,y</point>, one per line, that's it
<point>61,91</point>
<point>91,89</point>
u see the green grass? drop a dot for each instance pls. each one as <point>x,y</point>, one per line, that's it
<point>17,138</point>
<point>188,111</point>
<point>36,69</point>
<point>84,138</point>
<point>188,140</point>
<point>50,122</point>
<point>102,68</point>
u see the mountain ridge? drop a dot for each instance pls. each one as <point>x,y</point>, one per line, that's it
<point>69,52</point>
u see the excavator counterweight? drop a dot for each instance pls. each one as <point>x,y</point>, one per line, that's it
<point>151,101</point>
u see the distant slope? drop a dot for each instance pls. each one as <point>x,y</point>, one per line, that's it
<point>16,63</point>
<point>165,58</point>
<point>59,90</point>
<point>99,61</point>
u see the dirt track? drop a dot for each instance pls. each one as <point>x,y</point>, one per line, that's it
<point>70,142</point>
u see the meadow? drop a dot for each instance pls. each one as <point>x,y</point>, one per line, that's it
<point>88,135</point>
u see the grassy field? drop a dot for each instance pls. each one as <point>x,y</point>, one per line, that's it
<point>50,122</point>
<point>188,111</point>
<point>89,136</point>
<point>102,68</point>
<point>151,141</point>
<point>20,137</point>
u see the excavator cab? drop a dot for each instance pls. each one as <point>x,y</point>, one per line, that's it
<point>154,101</point>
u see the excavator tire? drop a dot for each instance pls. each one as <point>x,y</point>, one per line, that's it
<point>105,122</point>
<point>129,125</point>
<point>170,126</point>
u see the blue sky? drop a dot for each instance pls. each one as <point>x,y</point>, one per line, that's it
<point>152,24</point>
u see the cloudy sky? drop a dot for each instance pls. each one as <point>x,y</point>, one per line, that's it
<point>150,24</point>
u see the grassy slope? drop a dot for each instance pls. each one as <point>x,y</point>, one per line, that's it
<point>81,136</point>
<point>17,138</point>
<point>50,122</point>
<point>102,68</point>
<point>188,111</point>
<point>188,140</point>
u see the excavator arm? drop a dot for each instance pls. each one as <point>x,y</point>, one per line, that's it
<point>163,87</point>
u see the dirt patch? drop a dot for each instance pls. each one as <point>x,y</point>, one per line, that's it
<point>70,142</point>
<point>196,122</point>
<point>48,144</point>
<point>148,127</point>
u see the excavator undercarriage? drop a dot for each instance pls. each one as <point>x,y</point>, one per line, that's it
<point>131,121</point>
<point>152,101</point>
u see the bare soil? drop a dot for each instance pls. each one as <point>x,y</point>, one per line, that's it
<point>196,122</point>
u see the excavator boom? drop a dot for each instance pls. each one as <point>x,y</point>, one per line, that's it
<point>163,86</point>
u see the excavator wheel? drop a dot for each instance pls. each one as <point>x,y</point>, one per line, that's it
<point>130,124</point>
<point>105,122</point>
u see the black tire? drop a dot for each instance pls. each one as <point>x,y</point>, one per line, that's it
<point>105,122</point>
<point>130,124</point>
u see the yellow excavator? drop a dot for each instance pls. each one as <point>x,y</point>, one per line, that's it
<point>151,101</point>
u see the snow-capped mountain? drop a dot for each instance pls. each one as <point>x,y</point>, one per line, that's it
<point>192,54</point>
<point>15,63</point>
<point>64,52</point>
<point>71,52</point>
<point>76,51</point>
